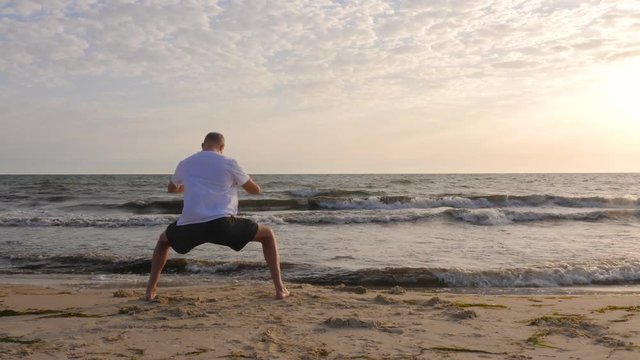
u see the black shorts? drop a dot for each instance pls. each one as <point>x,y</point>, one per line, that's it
<point>231,231</point>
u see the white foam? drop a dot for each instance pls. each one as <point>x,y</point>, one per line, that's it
<point>461,202</point>
<point>562,275</point>
<point>267,219</point>
<point>483,217</point>
<point>85,221</point>
<point>212,269</point>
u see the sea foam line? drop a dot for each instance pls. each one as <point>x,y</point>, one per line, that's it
<point>612,272</point>
<point>84,221</point>
<point>485,217</point>
<point>360,201</point>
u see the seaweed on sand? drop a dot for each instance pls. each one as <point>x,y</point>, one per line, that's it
<point>480,305</point>
<point>462,350</point>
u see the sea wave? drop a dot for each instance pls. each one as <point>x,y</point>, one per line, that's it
<point>486,217</point>
<point>622,272</point>
<point>481,217</point>
<point>310,199</point>
<point>552,276</point>
<point>334,193</point>
<point>151,207</point>
<point>84,221</point>
<point>175,206</point>
<point>504,217</point>
<point>472,202</point>
<point>91,264</point>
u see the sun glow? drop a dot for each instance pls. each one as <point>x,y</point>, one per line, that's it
<point>621,91</point>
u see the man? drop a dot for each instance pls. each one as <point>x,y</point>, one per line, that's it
<point>209,181</point>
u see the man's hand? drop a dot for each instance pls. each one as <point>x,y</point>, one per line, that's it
<point>173,188</point>
<point>251,187</point>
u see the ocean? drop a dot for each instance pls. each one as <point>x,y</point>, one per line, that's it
<point>501,232</point>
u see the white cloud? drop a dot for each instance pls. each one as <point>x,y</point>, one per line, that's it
<point>258,46</point>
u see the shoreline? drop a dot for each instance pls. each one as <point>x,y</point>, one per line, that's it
<point>139,281</point>
<point>240,319</point>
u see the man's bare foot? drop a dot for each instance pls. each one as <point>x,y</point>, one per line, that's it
<point>282,294</point>
<point>150,295</point>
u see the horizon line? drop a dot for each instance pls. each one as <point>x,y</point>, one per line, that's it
<point>355,173</point>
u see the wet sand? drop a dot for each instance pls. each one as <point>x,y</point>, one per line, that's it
<point>236,320</point>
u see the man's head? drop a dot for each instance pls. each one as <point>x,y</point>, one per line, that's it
<point>213,142</point>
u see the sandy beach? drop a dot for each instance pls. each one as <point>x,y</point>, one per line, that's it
<point>234,320</point>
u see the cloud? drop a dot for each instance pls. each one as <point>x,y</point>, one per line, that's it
<point>320,59</point>
<point>624,55</point>
<point>590,44</point>
<point>516,64</point>
<point>258,48</point>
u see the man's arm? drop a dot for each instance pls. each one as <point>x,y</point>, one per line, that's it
<point>173,188</point>
<point>251,187</point>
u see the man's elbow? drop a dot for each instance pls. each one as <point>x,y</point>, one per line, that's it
<point>172,188</point>
<point>252,188</point>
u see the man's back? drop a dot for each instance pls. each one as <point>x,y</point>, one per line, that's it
<point>210,182</point>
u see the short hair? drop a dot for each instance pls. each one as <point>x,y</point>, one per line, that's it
<point>214,138</point>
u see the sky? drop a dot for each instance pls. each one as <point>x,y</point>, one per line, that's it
<point>319,86</point>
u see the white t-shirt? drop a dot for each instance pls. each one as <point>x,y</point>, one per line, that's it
<point>211,183</point>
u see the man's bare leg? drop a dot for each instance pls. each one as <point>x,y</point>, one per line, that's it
<point>160,255</point>
<point>270,249</point>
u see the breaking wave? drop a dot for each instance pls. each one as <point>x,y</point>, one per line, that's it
<point>485,217</point>
<point>472,202</point>
<point>85,221</point>
<point>357,200</point>
<point>503,217</point>
<point>567,275</point>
